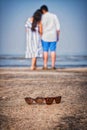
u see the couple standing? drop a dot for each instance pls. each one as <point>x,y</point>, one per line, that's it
<point>42,35</point>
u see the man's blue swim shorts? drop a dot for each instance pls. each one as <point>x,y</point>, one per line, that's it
<point>49,46</point>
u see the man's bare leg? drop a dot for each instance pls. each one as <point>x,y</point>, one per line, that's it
<point>53,58</point>
<point>45,58</point>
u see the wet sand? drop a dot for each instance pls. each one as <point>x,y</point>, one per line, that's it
<point>18,83</point>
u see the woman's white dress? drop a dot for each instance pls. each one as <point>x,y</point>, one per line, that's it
<point>33,42</point>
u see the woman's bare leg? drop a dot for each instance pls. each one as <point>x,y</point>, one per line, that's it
<point>33,65</point>
<point>36,63</point>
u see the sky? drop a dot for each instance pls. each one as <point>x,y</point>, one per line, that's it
<point>71,14</point>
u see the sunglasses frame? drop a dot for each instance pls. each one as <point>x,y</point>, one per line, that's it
<point>41,100</point>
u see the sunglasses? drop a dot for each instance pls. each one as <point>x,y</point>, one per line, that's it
<point>41,100</point>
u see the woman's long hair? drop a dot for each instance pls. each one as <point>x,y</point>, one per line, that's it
<point>36,18</point>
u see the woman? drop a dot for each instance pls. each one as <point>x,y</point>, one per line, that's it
<point>33,40</point>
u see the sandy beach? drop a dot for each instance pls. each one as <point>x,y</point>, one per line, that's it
<point>18,83</point>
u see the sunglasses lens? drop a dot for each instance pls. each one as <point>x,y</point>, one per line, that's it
<point>58,99</point>
<point>49,101</point>
<point>29,100</point>
<point>39,100</point>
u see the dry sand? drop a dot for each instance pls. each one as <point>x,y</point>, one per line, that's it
<point>17,83</point>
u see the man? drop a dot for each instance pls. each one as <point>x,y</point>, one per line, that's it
<point>50,35</point>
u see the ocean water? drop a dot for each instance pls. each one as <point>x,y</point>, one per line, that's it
<point>62,61</point>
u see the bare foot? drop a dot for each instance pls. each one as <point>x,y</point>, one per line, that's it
<point>33,68</point>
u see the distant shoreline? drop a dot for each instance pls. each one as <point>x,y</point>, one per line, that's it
<point>39,69</point>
